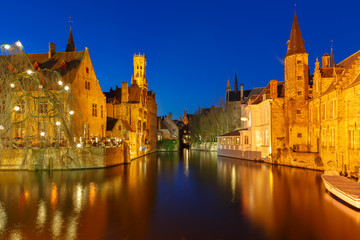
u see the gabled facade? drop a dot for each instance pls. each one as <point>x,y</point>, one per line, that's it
<point>76,69</point>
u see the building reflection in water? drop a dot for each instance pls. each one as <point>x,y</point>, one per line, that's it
<point>192,195</point>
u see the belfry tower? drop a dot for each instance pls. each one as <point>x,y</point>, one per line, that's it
<point>296,89</point>
<point>140,71</point>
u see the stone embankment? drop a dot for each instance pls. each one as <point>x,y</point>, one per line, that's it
<point>204,146</point>
<point>63,158</point>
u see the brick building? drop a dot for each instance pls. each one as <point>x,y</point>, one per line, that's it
<point>132,111</point>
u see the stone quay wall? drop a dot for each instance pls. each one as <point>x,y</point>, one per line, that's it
<point>62,158</point>
<point>205,146</point>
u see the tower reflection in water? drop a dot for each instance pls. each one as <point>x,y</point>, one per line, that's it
<point>191,195</point>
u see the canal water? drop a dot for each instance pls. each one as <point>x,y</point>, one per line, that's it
<point>192,195</point>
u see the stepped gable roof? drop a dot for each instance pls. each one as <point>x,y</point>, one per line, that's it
<point>68,71</point>
<point>110,123</point>
<point>348,62</point>
<point>296,42</point>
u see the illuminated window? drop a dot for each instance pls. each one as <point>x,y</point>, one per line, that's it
<point>246,140</point>
<point>94,110</point>
<point>237,141</point>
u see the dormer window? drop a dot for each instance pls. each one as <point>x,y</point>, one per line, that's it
<point>63,65</point>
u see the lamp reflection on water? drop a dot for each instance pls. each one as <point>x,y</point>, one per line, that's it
<point>57,224</point>
<point>186,159</point>
<point>233,183</point>
<point>78,198</point>
<point>3,218</point>
<point>41,215</point>
<point>92,194</point>
<point>71,232</point>
<point>54,196</point>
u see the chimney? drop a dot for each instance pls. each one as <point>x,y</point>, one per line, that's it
<point>273,89</point>
<point>51,50</point>
<point>325,60</point>
<point>124,92</point>
<point>159,123</point>
<point>242,92</point>
<point>170,115</point>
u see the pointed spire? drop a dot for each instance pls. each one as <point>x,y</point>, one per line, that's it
<point>332,60</point>
<point>236,88</point>
<point>228,88</point>
<point>296,42</point>
<point>70,47</point>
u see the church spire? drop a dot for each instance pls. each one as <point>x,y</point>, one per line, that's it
<point>70,47</point>
<point>332,60</point>
<point>236,88</point>
<point>296,42</point>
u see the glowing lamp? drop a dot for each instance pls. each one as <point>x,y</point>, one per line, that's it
<point>29,72</point>
<point>40,86</point>
<point>244,119</point>
<point>16,108</point>
<point>67,88</point>
<point>2,127</point>
<point>12,85</point>
<point>71,112</point>
<point>7,46</point>
<point>78,145</point>
<point>60,83</point>
<point>57,123</point>
<point>42,134</point>
<point>18,43</point>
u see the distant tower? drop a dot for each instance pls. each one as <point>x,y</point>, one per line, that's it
<point>228,90</point>
<point>140,71</point>
<point>236,87</point>
<point>70,47</point>
<point>297,89</point>
<point>332,59</point>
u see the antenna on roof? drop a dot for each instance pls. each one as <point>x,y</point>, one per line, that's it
<point>295,7</point>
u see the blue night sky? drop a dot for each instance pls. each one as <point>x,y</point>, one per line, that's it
<point>192,47</point>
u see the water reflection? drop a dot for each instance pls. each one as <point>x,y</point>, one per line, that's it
<point>191,195</point>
